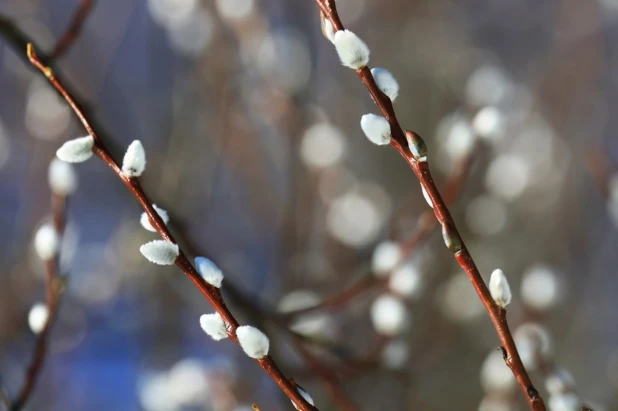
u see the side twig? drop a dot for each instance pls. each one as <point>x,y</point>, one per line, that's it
<point>211,293</point>
<point>74,29</point>
<point>400,141</point>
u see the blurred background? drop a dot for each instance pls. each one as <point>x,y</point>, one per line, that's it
<point>251,130</point>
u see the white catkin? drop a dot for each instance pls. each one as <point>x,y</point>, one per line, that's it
<point>386,82</point>
<point>37,317</point>
<point>389,315</point>
<point>377,129</point>
<point>134,162</point>
<point>209,271</point>
<point>499,288</point>
<point>253,341</point>
<point>145,220</point>
<point>46,242</point>
<point>214,326</point>
<point>77,150</point>
<point>160,252</point>
<point>352,51</point>
<point>62,177</point>
<point>385,257</point>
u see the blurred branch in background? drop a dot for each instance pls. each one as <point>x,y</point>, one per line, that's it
<point>48,240</point>
<point>72,32</point>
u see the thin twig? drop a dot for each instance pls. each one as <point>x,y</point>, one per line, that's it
<point>212,294</point>
<point>74,29</point>
<point>53,291</point>
<point>423,228</point>
<point>399,141</point>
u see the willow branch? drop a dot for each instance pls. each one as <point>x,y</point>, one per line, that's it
<point>211,293</point>
<point>400,143</point>
<point>53,292</point>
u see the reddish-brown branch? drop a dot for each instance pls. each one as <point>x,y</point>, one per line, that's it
<point>53,294</point>
<point>72,32</point>
<point>212,294</point>
<point>463,257</point>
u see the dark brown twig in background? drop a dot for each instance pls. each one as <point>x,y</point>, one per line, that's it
<point>53,293</point>
<point>400,142</point>
<point>74,29</point>
<point>212,294</point>
<point>422,230</point>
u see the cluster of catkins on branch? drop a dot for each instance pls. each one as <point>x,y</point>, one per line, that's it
<point>161,252</point>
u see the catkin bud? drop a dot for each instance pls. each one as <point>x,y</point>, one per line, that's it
<point>451,238</point>
<point>417,146</point>
<point>499,288</point>
<point>77,150</point>
<point>352,51</point>
<point>376,128</point>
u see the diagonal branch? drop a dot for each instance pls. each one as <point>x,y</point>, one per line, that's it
<point>400,141</point>
<point>211,293</point>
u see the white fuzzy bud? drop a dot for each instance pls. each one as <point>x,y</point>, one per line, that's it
<point>253,341</point>
<point>386,82</point>
<point>406,281</point>
<point>499,288</point>
<point>160,252</point>
<point>77,150</point>
<point>214,326</point>
<point>37,317</point>
<point>46,242</point>
<point>388,315</point>
<point>145,220</point>
<point>209,271</point>
<point>385,257</point>
<point>62,177</point>
<point>134,162</point>
<point>426,195</point>
<point>352,51</point>
<point>377,129</point>
<point>305,395</point>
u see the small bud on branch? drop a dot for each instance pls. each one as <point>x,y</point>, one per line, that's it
<point>62,178</point>
<point>352,51</point>
<point>160,252</point>
<point>214,326</point>
<point>46,242</point>
<point>253,341</point>
<point>386,82</point>
<point>376,128</point>
<point>145,220</point>
<point>77,150</point>
<point>499,288</point>
<point>134,162</point>
<point>209,271</point>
